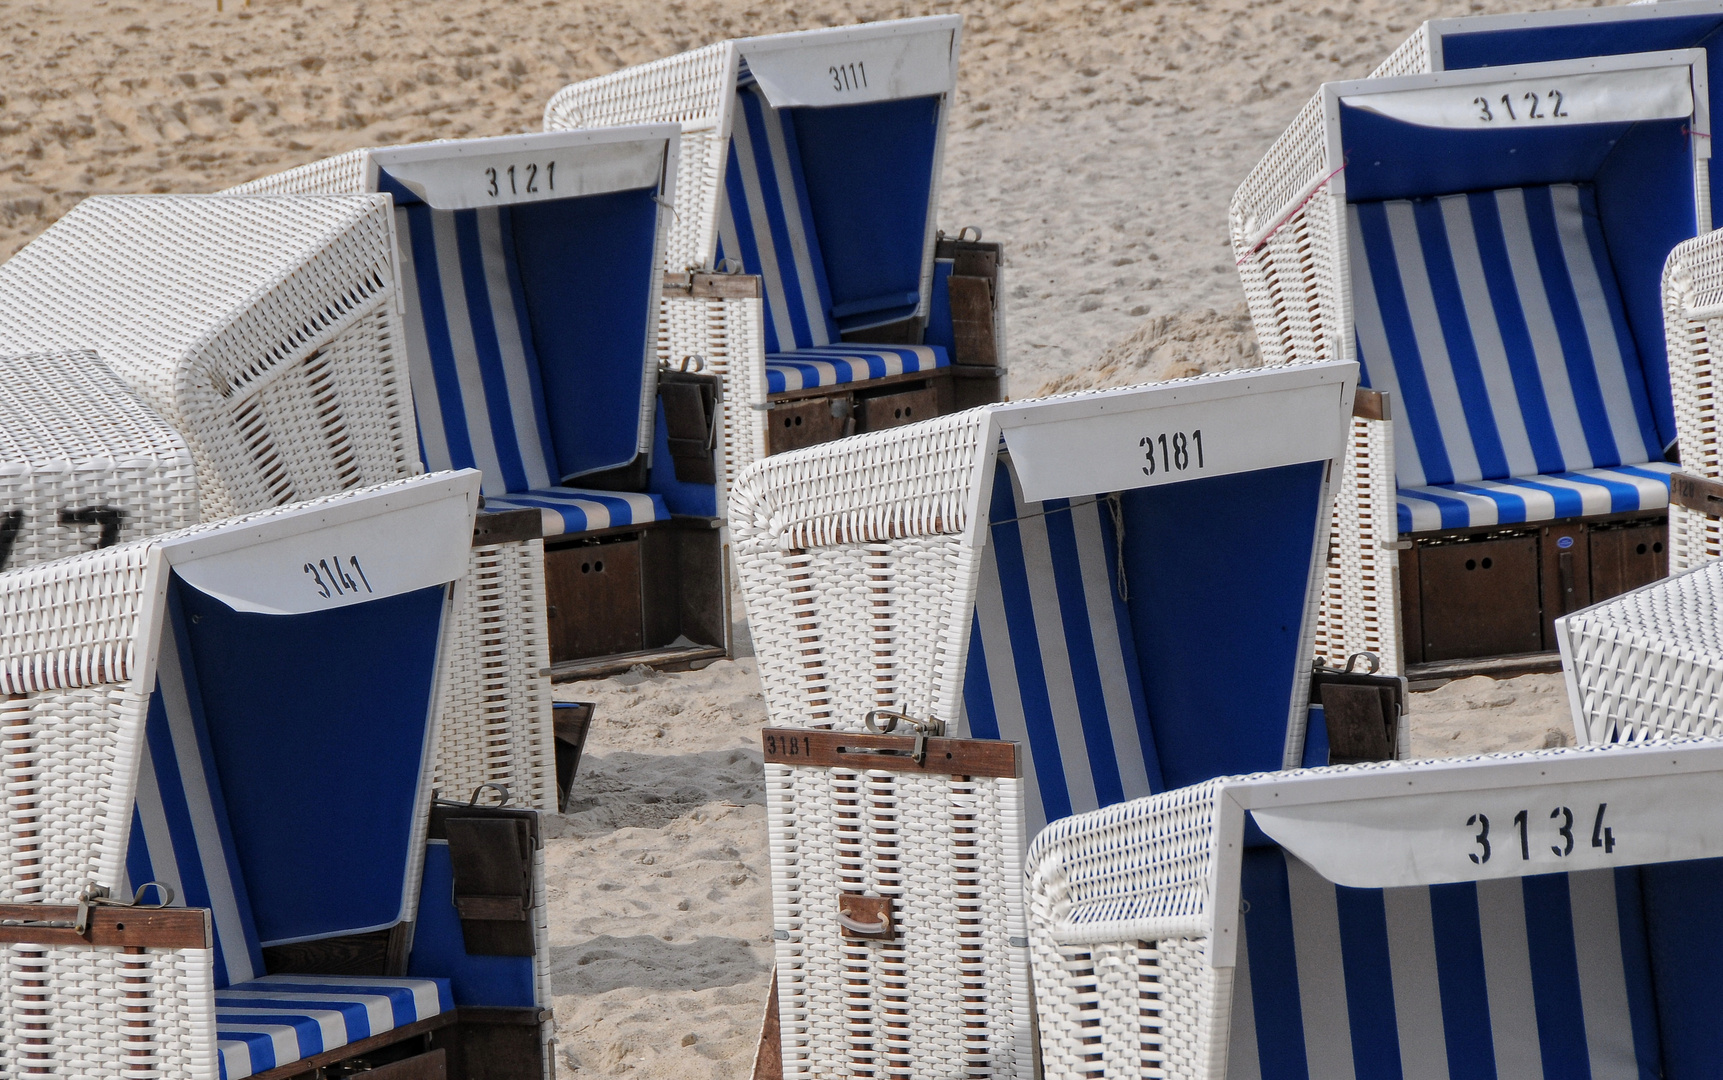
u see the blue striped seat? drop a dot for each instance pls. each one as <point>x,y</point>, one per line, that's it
<point>182,837</point>
<point>766,226</point>
<point>1495,321</point>
<point>1546,976</point>
<point>280,1019</point>
<point>835,365</point>
<point>479,381</point>
<point>576,510</point>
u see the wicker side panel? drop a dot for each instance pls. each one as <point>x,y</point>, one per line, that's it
<point>949,994</point>
<point>1630,687</point>
<point>1692,321</point>
<point>70,760</point>
<point>693,240</point>
<point>727,336</point>
<point>1411,58</point>
<point>343,174</point>
<point>103,1012</point>
<point>496,725</point>
<point>338,419</point>
<point>687,88</point>
<point>844,629</point>
<point>1361,599</point>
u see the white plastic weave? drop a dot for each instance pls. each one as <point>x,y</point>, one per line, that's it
<point>76,446</point>
<point>265,330</point>
<point>1692,320</point>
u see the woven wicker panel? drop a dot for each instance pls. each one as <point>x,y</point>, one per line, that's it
<point>343,174</point>
<point>1692,321</point>
<point>725,335</point>
<point>1411,58</point>
<point>104,1012</point>
<point>948,996</point>
<point>496,726</point>
<point>257,288</point>
<point>1361,601</point>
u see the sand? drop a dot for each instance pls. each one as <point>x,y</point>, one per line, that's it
<point>1100,141</point>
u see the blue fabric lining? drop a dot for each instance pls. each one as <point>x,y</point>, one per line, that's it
<point>837,365</point>
<point>1523,499</point>
<point>279,1019</point>
<point>440,949</point>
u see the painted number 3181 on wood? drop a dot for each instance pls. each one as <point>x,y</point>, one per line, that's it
<point>1172,452</point>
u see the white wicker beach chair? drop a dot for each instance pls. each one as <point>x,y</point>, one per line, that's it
<point>852,314</point>
<point>1066,575</point>
<point>264,330</point>
<point>1536,914</point>
<point>234,721</point>
<point>1493,265</point>
<point>83,463</point>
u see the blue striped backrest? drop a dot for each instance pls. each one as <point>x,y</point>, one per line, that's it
<point>1496,322</point>
<point>1052,659</point>
<point>766,225</point>
<point>1545,976</point>
<point>180,832</point>
<point>477,386</point>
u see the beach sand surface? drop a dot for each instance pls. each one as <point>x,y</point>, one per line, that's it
<point>1100,141</point>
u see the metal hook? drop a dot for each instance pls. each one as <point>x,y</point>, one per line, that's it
<point>923,729</point>
<point>1370,658</point>
<point>500,789</point>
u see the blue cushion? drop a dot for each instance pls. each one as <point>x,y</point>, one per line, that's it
<point>835,365</point>
<point>180,831</point>
<point>1538,976</point>
<point>477,386</point>
<point>766,226</point>
<point>574,510</point>
<point>1548,497</point>
<point>1495,321</point>
<point>1052,660</point>
<point>279,1019</point>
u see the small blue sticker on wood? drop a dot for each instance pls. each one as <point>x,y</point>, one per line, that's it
<point>1564,542</point>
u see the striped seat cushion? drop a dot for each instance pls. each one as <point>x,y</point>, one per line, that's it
<point>1548,497</point>
<point>835,365</point>
<point>575,510</point>
<point>1542,976</point>
<point>279,1019</point>
<point>1052,659</point>
<point>1496,322</point>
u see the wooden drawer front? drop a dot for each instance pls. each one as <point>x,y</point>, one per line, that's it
<point>1625,557</point>
<point>896,410</point>
<point>594,596</point>
<point>1480,598</point>
<point>794,424</point>
<point>431,1066</point>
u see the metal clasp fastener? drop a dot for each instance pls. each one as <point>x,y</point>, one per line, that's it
<point>923,729</point>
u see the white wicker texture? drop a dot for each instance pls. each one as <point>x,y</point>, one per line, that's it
<point>343,174</point>
<point>263,329</point>
<point>1361,604</point>
<point>107,1012</point>
<point>1649,664</point>
<point>1411,58</point>
<point>948,996</point>
<point>726,336</point>
<point>857,575</point>
<point>74,438</point>
<point>1692,320</point>
<point>496,726</point>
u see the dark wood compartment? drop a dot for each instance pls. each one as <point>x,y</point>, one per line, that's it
<point>594,596</point>
<point>1626,556</point>
<point>877,412</point>
<point>631,595</point>
<point>1480,598</point>
<point>791,425</point>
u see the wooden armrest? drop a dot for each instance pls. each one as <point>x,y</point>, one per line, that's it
<point>149,928</point>
<point>507,526</point>
<point>1696,493</point>
<point>713,286</point>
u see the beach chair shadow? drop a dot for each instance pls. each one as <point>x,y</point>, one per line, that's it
<point>811,165</point>
<point>1488,245</point>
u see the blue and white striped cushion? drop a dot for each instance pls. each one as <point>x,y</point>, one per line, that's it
<point>767,226</point>
<point>280,1019</point>
<point>1524,977</point>
<point>475,375</point>
<point>576,510</point>
<point>1549,497</point>
<point>1495,321</point>
<point>180,831</point>
<point>1052,660</point>
<point>834,365</point>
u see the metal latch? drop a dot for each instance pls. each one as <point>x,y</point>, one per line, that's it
<point>924,729</point>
